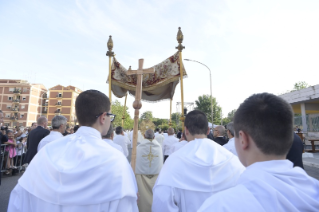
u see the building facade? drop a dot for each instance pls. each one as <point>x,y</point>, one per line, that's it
<point>61,101</point>
<point>21,102</point>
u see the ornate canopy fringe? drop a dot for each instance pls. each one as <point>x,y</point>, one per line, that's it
<point>155,87</point>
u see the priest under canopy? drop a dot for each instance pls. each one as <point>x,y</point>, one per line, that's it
<point>149,162</point>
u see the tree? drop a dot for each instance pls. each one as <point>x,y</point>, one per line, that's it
<point>148,115</point>
<point>300,85</point>
<point>176,123</point>
<point>204,104</point>
<point>117,109</point>
<point>230,117</point>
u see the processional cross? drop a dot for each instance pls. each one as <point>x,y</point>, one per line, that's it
<point>150,156</point>
<point>137,104</point>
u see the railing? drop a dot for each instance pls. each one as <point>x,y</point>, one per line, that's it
<point>15,109</point>
<point>44,111</point>
<point>59,96</point>
<point>57,112</point>
<point>14,118</point>
<point>16,100</point>
<point>17,159</point>
<point>17,91</point>
<point>312,121</point>
<point>58,104</point>
<point>45,104</point>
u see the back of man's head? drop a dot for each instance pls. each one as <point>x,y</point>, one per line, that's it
<point>42,121</point>
<point>196,122</point>
<point>109,134</point>
<point>118,130</point>
<point>149,134</point>
<point>89,105</point>
<point>157,130</point>
<point>221,130</point>
<point>268,120</point>
<point>57,121</point>
<point>230,128</point>
<point>170,131</point>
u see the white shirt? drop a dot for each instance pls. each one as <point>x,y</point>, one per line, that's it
<point>114,145</point>
<point>159,138</point>
<point>192,174</point>
<point>178,145</point>
<point>168,143</point>
<point>231,146</point>
<point>268,186</point>
<point>79,173</point>
<point>149,158</point>
<point>54,135</point>
<point>123,142</point>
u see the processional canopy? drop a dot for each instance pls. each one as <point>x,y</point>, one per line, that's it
<point>155,87</point>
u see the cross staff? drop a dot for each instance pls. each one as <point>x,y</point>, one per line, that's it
<point>137,104</point>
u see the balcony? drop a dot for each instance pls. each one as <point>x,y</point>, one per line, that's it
<point>45,96</point>
<point>57,112</point>
<point>17,91</point>
<point>45,104</point>
<point>58,96</point>
<point>15,109</point>
<point>59,104</point>
<point>44,111</point>
<point>14,118</point>
<point>16,101</point>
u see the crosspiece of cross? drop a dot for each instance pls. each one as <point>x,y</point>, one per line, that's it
<point>150,156</point>
<point>137,104</point>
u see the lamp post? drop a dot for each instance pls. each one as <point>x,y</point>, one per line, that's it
<point>210,78</point>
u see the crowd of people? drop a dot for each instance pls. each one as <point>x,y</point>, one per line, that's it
<point>254,164</point>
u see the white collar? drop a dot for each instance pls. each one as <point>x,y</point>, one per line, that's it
<point>83,130</point>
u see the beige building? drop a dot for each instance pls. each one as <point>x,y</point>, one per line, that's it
<point>62,102</point>
<point>21,102</point>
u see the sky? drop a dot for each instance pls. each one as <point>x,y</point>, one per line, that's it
<point>249,46</point>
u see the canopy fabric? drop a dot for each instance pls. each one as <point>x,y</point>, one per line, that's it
<point>155,87</point>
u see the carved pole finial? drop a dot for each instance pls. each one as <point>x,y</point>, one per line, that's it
<point>180,38</point>
<point>110,47</point>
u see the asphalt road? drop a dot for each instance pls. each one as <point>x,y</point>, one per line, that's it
<point>8,183</point>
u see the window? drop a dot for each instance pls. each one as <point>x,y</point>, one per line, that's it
<point>59,103</point>
<point>21,115</point>
<point>24,98</point>
<point>8,107</point>
<point>7,115</point>
<point>25,90</point>
<point>11,89</point>
<point>60,95</point>
<point>9,98</point>
<point>59,111</point>
<point>22,106</point>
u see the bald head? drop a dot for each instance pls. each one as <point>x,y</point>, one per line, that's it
<point>170,131</point>
<point>42,121</point>
<point>149,134</point>
<point>221,130</point>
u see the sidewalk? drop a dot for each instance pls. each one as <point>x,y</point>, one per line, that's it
<point>311,159</point>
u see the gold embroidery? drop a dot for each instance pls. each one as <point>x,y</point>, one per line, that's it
<point>150,156</point>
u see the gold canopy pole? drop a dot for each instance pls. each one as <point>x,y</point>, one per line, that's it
<point>124,109</point>
<point>110,54</point>
<point>170,114</point>
<point>180,48</point>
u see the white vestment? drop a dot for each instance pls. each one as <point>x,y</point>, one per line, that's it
<point>116,146</point>
<point>160,138</point>
<point>123,142</point>
<point>268,186</point>
<point>192,174</point>
<point>179,145</point>
<point>79,172</point>
<point>168,143</point>
<point>231,146</point>
<point>140,137</point>
<point>54,135</point>
<point>149,162</point>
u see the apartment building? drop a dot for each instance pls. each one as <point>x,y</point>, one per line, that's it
<point>62,102</point>
<point>21,102</point>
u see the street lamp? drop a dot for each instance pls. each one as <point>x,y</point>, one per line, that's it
<point>210,78</point>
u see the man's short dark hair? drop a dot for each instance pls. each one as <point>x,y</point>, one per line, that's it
<point>268,119</point>
<point>156,130</point>
<point>76,127</point>
<point>196,122</point>
<point>109,133</point>
<point>118,130</point>
<point>89,104</point>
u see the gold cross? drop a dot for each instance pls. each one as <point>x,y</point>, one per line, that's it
<point>150,156</point>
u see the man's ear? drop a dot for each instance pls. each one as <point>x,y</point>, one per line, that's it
<point>102,119</point>
<point>244,140</point>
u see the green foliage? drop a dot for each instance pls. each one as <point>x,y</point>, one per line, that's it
<point>148,115</point>
<point>117,109</point>
<point>300,85</point>
<point>204,104</point>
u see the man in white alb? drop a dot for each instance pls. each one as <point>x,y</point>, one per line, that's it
<point>149,161</point>
<point>159,137</point>
<point>196,171</point>
<point>231,143</point>
<point>121,140</point>
<point>168,143</point>
<point>108,138</point>
<point>58,125</point>
<point>182,142</point>
<point>79,172</point>
<point>263,136</point>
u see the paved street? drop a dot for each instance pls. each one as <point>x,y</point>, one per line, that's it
<point>8,183</point>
